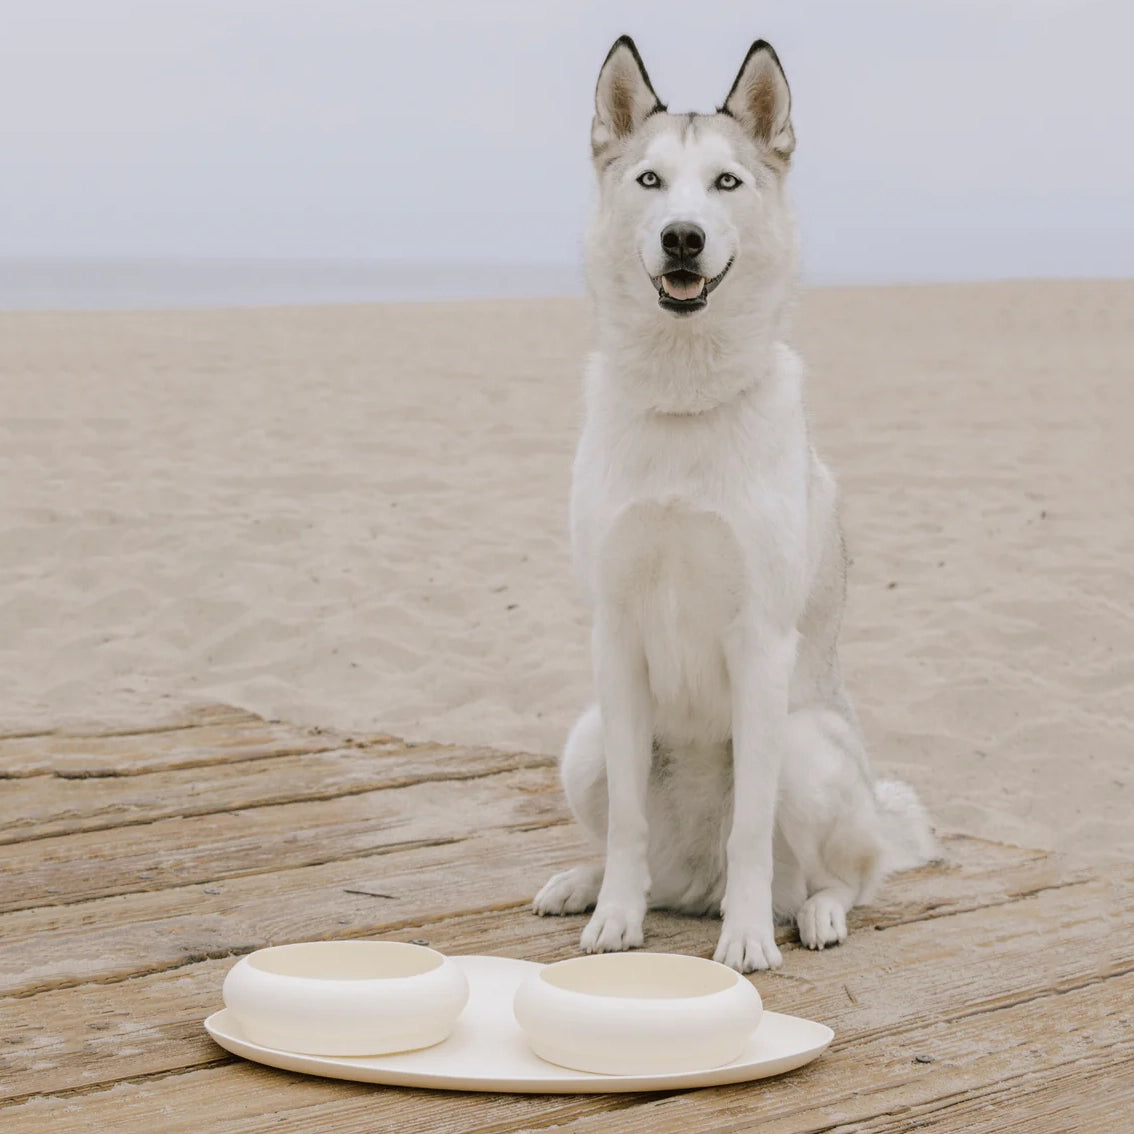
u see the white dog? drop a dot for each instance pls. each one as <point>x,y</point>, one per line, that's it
<point>722,767</point>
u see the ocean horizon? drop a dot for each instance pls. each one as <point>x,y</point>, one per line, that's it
<point>174,283</point>
<point>122,284</point>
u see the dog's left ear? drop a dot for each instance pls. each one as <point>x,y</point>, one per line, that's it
<point>760,99</point>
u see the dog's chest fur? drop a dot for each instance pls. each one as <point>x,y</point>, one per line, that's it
<point>684,525</point>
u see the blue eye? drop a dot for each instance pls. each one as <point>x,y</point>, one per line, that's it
<point>727,181</point>
<point>649,180</point>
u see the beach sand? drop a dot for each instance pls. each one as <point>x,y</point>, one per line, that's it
<point>356,517</point>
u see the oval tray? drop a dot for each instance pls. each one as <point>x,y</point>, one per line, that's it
<point>488,1052</point>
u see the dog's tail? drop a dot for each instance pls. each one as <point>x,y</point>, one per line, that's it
<point>906,831</point>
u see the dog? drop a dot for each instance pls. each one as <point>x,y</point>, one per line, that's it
<point>722,768</point>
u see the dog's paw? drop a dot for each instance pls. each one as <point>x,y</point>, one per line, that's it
<point>612,929</point>
<point>569,892</point>
<point>748,950</point>
<point>822,921</point>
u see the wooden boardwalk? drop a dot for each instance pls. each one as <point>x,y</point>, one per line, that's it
<point>992,993</point>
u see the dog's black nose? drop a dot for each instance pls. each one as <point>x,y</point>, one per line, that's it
<point>683,240</point>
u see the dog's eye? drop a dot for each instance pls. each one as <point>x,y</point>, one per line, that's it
<point>727,181</point>
<point>649,180</point>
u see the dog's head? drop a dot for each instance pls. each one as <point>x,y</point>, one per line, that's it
<point>690,203</point>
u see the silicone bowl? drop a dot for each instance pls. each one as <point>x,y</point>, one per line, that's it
<point>637,1013</point>
<point>346,997</point>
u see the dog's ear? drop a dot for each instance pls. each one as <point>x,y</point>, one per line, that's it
<point>760,99</point>
<point>624,98</point>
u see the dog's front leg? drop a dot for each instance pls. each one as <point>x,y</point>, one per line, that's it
<point>624,701</point>
<point>759,672</point>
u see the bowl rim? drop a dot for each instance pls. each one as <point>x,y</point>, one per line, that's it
<point>439,962</point>
<point>631,1000</point>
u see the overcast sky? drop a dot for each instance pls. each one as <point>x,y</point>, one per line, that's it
<point>937,139</point>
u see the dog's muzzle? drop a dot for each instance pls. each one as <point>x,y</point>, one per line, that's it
<point>683,291</point>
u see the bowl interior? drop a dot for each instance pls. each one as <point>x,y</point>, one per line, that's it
<point>347,960</point>
<point>640,976</point>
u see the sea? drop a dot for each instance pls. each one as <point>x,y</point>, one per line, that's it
<point>157,284</point>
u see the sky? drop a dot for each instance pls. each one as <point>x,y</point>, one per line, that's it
<point>937,139</point>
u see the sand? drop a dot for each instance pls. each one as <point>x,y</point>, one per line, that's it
<point>356,517</point>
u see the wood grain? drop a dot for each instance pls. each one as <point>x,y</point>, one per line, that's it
<point>208,848</point>
<point>42,806</point>
<point>993,991</point>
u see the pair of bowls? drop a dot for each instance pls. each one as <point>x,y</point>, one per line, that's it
<point>612,1013</point>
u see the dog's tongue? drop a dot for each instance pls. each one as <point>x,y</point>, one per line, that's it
<point>681,289</point>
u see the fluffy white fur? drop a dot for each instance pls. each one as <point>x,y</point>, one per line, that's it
<point>722,768</point>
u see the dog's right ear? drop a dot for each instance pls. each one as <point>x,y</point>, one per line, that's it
<point>624,98</point>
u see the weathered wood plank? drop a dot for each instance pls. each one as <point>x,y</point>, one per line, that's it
<point>879,984</point>
<point>236,1098</point>
<point>1007,1048</point>
<point>188,849</point>
<point>116,757</point>
<point>209,848</point>
<point>1006,1056</point>
<point>47,806</point>
<point>175,720</point>
<point>1088,1095</point>
<point>171,849</point>
<point>114,938</point>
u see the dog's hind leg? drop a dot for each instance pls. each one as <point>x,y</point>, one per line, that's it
<point>789,885</point>
<point>822,919</point>
<point>829,818</point>
<point>583,772</point>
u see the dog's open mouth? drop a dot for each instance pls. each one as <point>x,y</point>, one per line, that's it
<point>684,292</point>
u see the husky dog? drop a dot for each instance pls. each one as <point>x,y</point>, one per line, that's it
<point>722,767</point>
